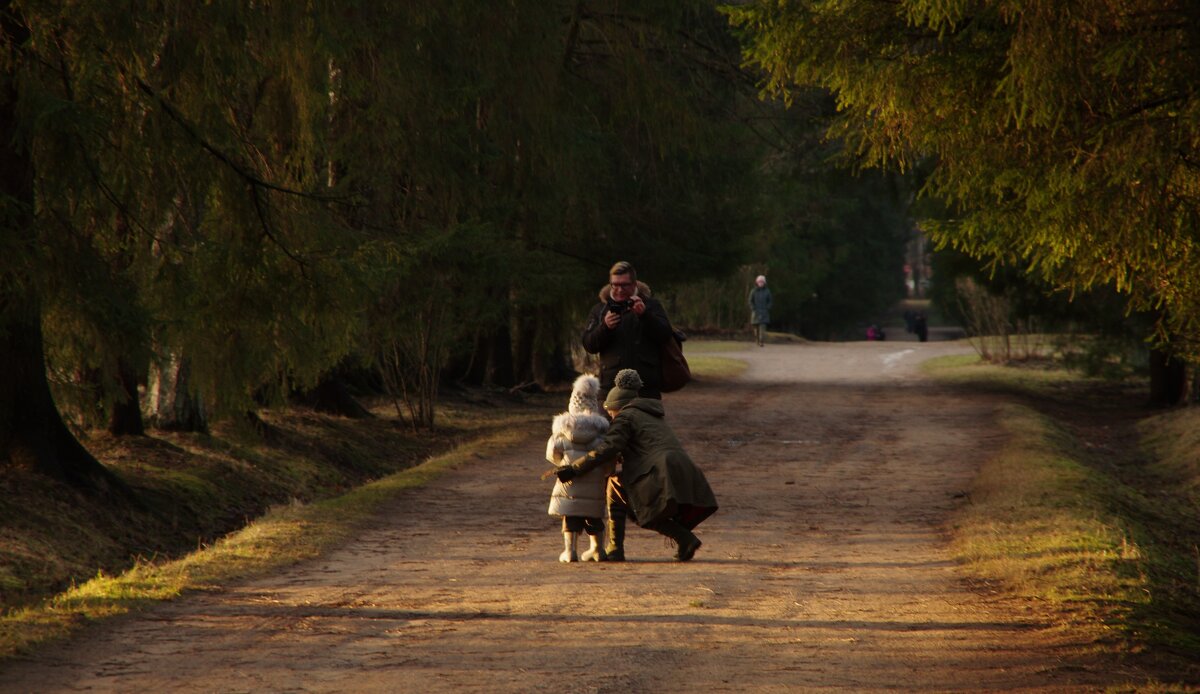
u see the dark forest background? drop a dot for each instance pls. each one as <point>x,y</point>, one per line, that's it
<point>211,208</point>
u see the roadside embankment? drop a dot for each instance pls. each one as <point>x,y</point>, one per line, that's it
<point>1090,510</point>
<point>217,507</point>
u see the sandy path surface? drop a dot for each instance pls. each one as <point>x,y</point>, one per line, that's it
<point>836,467</point>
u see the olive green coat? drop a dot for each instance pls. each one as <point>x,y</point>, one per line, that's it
<point>661,481</point>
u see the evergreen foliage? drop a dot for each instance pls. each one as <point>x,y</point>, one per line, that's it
<point>247,195</point>
<point>1063,136</point>
<point>830,240</point>
<point>216,205</point>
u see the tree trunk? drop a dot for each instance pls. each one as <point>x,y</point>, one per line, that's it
<point>32,433</point>
<point>499,371</point>
<point>558,367</point>
<point>169,400</point>
<point>478,369</point>
<point>331,396</point>
<point>125,412</point>
<point>1168,379</point>
<point>524,343</point>
<point>470,369</point>
<point>551,364</point>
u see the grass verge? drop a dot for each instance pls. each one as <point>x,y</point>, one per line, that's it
<point>286,534</point>
<point>696,347</point>
<point>1089,509</point>
<point>705,361</point>
<point>1040,520</point>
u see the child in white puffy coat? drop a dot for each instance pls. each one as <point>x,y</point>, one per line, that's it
<point>580,502</point>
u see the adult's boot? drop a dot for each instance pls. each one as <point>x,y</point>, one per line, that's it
<point>615,550</point>
<point>686,542</point>
<point>618,511</point>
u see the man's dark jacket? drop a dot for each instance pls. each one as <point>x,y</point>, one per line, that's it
<point>636,342</point>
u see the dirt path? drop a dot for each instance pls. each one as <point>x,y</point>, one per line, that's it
<point>836,467</point>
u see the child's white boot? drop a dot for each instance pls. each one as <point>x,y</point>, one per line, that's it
<point>595,551</point>
<point>569,554</point>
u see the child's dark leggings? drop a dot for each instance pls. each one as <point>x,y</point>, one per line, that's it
<point>575,524</point>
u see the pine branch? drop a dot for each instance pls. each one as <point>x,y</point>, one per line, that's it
<point>572,34</point>
<point>92,168</point>
<point>256,183</point>
<point>245,173</point>
<point>260,209</point>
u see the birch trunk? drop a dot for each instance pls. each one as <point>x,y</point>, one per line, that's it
<point>170,403</point>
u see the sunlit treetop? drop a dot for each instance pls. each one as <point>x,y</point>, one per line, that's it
<point>1063,136</point>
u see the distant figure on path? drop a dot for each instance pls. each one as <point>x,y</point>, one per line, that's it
<point>920,327</point>
<point>667,493</point>
<point>760,308</point>
<point>575,433</point>
<point>627,328</point>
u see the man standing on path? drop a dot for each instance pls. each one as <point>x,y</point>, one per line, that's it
<point>760,308</point>
<point>627,328</point>
<point>921,327</point>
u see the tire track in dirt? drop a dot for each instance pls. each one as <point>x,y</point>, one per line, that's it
<point>826,568</point>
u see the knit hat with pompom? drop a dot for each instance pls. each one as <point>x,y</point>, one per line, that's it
<point>625,388</point>
<point>585,396</point>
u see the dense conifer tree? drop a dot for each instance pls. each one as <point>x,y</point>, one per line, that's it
<point>1063,136</point>
<point>225,201</point>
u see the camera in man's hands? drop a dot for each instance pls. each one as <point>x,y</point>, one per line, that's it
<point>619,307</point>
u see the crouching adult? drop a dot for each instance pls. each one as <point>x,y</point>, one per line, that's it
<point>665,490</point>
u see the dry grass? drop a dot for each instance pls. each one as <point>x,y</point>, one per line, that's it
<point>286,534</point>
<point>704,366</point>
<point>1090,510</point>
<point>695,347</point>
<point>1173,440</point>
<point>703,359</point>
<point>1039,521</point>
<point>68,556</point>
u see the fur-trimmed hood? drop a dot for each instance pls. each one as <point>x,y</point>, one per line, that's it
<point>580,429</point>
<point>643,291</point>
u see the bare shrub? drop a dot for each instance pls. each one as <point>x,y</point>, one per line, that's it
<point>993,328</point>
